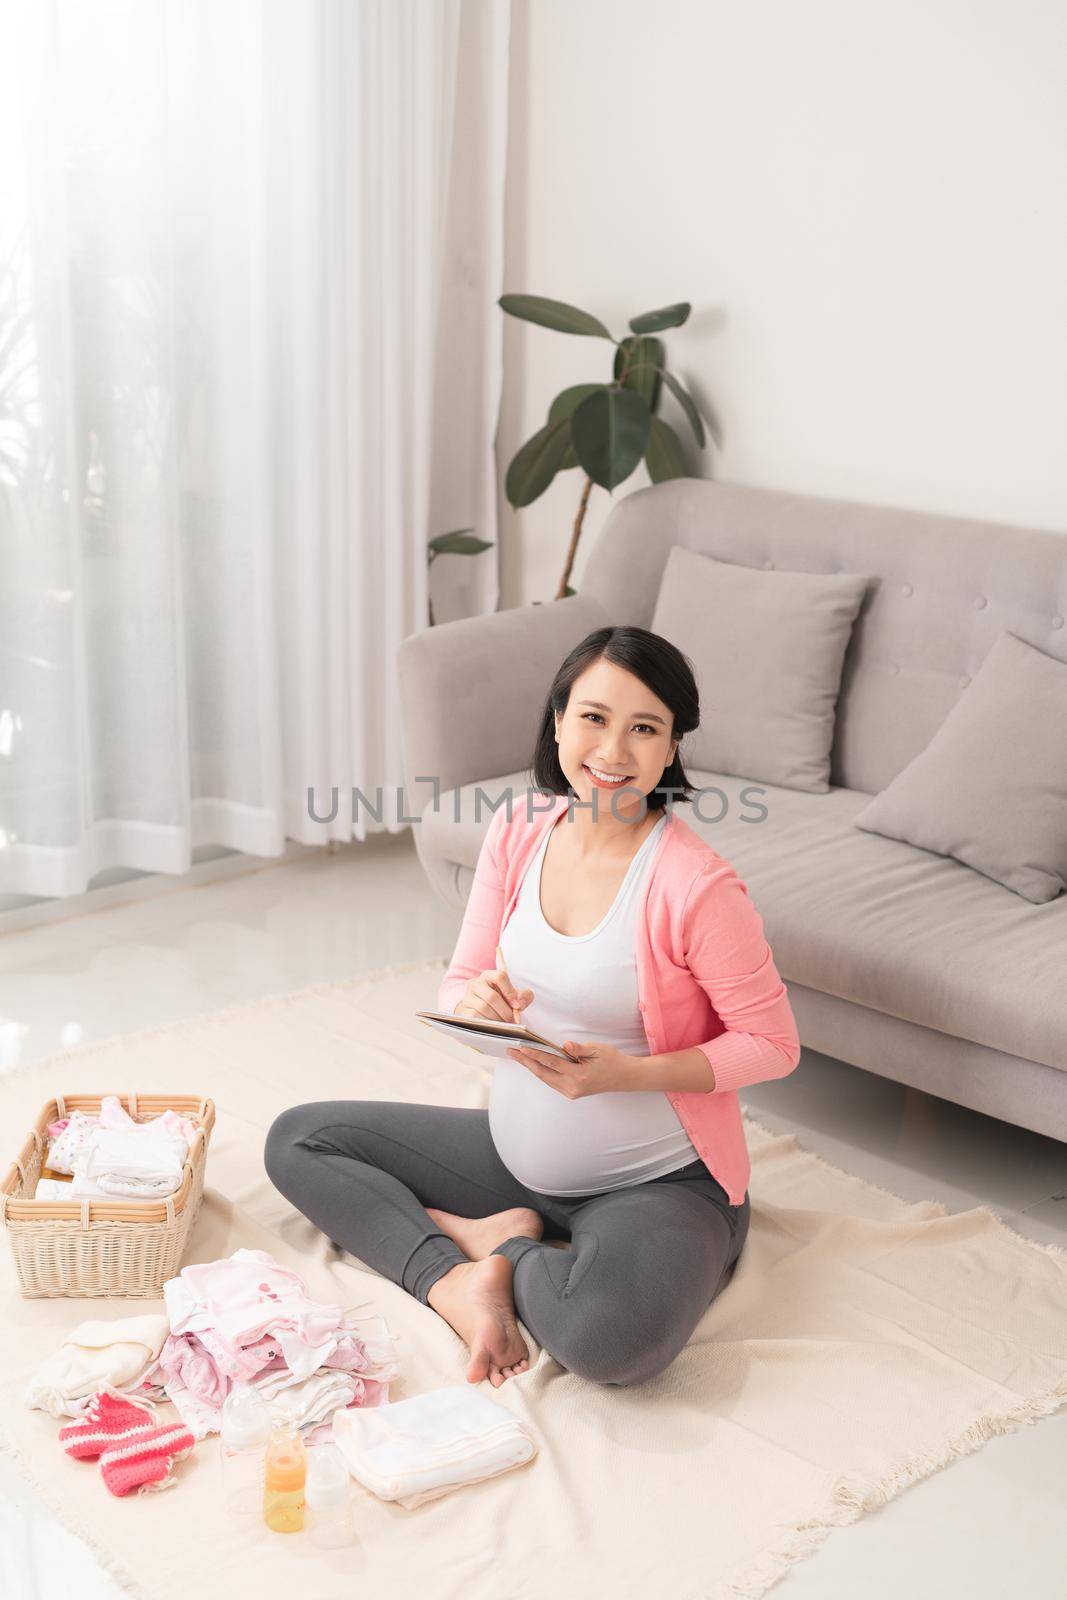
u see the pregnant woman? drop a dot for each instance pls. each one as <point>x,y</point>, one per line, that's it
<point>607,924</point>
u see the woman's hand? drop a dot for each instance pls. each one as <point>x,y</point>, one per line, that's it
<point>493,997</point>
<point>596,1069</point>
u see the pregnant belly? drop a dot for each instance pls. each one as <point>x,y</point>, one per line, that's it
<point>602,1141</point>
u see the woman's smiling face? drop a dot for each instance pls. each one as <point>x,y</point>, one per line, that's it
<point>614,727</point>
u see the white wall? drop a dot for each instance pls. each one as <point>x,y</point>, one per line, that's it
<point>866,204</point>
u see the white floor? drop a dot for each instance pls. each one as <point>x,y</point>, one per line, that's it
<point>992,1523</point>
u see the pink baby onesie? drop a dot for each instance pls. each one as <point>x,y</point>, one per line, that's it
<point>244,1297</point>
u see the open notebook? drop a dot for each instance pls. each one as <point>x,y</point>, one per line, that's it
<point>488,1037</point>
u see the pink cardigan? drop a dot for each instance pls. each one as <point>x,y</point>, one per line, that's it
<point>705,973</point>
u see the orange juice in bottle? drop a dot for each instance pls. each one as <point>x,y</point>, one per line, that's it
<point>285,1469</point>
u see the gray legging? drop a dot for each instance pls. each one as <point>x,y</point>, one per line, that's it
<point>642,1266</point>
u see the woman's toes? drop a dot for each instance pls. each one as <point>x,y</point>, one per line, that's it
<point>507,1372</point>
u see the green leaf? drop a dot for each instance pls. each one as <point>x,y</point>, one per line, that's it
<point>642,358</point>
<point>609,431</point>
<point>664,458</point>
<point>459,544</point>
<point>563,407</point>
<point>665,317</point>
<point>536,464</point>
<point>555,314</point>
<point>687,406</point>
<point>568,590</point>
<point>565,402</point>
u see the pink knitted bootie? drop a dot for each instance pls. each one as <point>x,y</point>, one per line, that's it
<point>136,1451</point>
<point>144,1463</point>
<point>108,1418</point>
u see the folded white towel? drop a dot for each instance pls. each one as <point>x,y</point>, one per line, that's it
<point>414,1450</point>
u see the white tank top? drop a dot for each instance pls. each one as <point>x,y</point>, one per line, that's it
<point>585,989</point>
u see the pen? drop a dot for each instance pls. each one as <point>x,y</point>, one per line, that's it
<point>503,967</point>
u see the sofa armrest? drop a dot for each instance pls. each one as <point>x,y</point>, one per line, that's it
<point>472,691</point>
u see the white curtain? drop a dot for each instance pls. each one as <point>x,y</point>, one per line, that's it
<point>249,365</point>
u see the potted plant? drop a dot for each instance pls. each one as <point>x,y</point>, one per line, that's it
<point>604,428</point>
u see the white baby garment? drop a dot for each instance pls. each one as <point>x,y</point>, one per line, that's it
<point>81,1188</point>
<point>96,1354</point>
<point>415,1450</point>
<point>140,1163</point>
<point>65,1147</point>
<point>78,1188</point>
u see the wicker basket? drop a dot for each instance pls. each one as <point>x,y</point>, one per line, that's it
<point>87,1247</point>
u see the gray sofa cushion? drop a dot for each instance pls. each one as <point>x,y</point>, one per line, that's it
<point>767,648</point>
<point>990,788</point>
<point>852,914</point>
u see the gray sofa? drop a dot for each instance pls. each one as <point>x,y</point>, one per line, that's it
<point>905,963</point>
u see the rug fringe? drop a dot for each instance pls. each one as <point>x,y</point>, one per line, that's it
<point>223,1017</point>
<point>46,1491</point>
<point>850,1496</point>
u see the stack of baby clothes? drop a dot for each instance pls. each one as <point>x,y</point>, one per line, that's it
<point>242,1318</point>
<point>109,1153</point>
<point>245,1318</point>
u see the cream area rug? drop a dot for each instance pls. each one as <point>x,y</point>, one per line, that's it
<point>863,1343</point>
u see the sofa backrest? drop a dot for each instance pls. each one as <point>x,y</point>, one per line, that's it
<point>942,589</point>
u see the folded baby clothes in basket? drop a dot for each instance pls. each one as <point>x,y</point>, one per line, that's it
<point>415,1450</point>
<point>96,1354</point>
<point>142,1163</point>
<point>69,1135</point>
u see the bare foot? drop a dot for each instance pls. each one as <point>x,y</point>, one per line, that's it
<point>475,1299</point>
<point>478,1237</point>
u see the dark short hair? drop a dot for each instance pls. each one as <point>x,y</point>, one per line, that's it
<point>661,667</point>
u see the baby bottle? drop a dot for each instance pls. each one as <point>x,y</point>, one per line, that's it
<point>243,1438</point>
<point>329,1497</point>
<point>283,1479</point>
